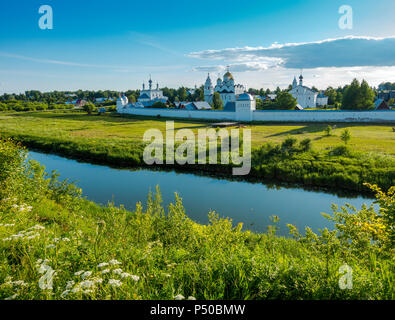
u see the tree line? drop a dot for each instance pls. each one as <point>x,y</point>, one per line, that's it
<point>356,96</point>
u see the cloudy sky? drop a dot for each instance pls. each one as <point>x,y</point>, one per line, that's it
<point>96,44</point>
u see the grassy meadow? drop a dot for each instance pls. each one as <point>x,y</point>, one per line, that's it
<point>54,244</point>
<point>298,154</point>
<point>378,138</point>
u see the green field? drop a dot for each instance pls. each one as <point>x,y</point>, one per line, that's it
<point>279,154</point>
<point>378,138</point>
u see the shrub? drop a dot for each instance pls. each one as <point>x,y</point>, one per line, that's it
<point>345,136</point>
<point>328,131</point>
<point>305,144</point>
<point>89,107</point>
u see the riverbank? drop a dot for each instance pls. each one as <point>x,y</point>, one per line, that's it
<point>117,141</point>
<point>57,245</point>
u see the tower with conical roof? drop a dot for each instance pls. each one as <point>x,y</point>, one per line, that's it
<point>208,90</point>
<point>294,83</point>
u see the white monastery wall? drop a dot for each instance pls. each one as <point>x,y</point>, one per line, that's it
<point>275,116</point>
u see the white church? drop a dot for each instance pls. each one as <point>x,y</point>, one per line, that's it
<point>306,97</point>
<point>226,88</point>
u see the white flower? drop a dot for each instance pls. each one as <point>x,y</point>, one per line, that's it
<point>135,278</point>
<point>125,275</point>
<point>87,284</point>
<point>66,239</point>
<point>65,293</point>
<point>86,274</point>
<point>50,246</point>
<point>78,273</point>
<point>117,271</point>
<point>20,283</point>
<point>12,297</point>
<point>37,227</point>
<point>114,262</point>
<point>103,264</point>
<point>70,284</point>
<point>76,289</point>
<point>179,297</point>
<point>191,298</point>
<point>97,280</point>
<point>114,283</point>
<point>105,271</point>
<point>88,291</point>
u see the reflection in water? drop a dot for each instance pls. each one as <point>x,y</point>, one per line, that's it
<point>250,203</point>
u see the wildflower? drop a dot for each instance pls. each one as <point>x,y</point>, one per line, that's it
<point>20,283</point>
<point>114,262</point>
<point>50,246</point>
<point>125,275</point>
<point>191,298</point>
<point>12,297</point>
<point>65,293</point>
<point>66,239</point>
<point>37,227</point>
<point>7,224</point>
<point>78,273</point>
<point>103,264</point>
<point>114,283</point>
<point>76,289</point>
<point>105,271</point>
<point>70,284</point>
<point>97,280</point>
<point>117,271</point>
<point>88,291</point>
<point>135,278</point>
<point>86,274</point>
<point>87,284</point>
<point>179,297</point>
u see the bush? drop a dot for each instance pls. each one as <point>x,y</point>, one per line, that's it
<point>89,107</point>
<point>345,136</point>
<point>305,144</point>
<point>328,131</point>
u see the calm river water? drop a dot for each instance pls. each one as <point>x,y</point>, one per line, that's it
<point>250,203</point>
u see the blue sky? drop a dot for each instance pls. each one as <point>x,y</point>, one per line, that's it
<point>117,44</point>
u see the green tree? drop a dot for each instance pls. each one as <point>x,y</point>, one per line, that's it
<point>182,94</point>
<point>328,131</point>
<point>259,104</point>
<point>345,136</point>
<point>358,96</point>
<point>132,98</point>
<point>159,104</point>
<point>217,101</point>
<point>89,107</point>
<point>285,101</point>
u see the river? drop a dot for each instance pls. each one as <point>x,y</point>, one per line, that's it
<point>246,202</point>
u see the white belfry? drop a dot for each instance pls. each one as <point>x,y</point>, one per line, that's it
<point>305,96</point>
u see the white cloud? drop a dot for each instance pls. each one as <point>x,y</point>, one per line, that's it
<point>349,51</point>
